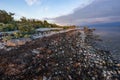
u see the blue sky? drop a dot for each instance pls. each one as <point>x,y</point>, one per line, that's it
<point>65,12</point>
<point>40,9</point>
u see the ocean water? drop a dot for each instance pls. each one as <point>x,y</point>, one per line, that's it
<point>111,39</point>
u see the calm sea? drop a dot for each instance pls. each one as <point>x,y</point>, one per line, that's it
<point>111,39</point>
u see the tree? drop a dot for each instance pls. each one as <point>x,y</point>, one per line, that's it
<point>6,17</point>
<point>46,24</point>
<point>23,19</point>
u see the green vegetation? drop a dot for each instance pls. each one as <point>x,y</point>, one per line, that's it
<point>6,17</point>
<point>24,26</point>
<point>7,27</point>
<point>7,38</point>
<point>69,27</point>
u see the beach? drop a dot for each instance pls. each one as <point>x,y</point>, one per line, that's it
<point>70,55</point>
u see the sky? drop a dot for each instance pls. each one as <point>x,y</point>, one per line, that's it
<point>97,12</point>
<point>65,12</point>
<point>41,8</point>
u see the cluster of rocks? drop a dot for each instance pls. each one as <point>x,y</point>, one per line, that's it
<point>40,33</point>
<point>64,56</point>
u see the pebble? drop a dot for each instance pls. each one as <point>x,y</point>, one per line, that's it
<point>35,51</point>
<point>66,59</point>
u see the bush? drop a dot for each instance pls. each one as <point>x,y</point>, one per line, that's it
<point>18,35</point>
<point>26,29</point>
<point>26,36</point>
<point>7,38</point>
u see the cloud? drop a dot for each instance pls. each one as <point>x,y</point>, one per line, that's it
<point>31,2</point>
<point>97,12</point>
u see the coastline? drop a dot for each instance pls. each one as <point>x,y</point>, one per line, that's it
<point>66,55</point>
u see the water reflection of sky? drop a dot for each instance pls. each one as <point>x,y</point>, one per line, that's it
<point>111,39</point>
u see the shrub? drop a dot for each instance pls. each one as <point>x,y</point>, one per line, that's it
<point>7,38</point>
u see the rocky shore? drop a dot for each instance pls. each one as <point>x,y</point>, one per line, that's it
<point>66,56</point>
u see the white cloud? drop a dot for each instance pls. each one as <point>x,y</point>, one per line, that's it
<point>31,2</point>
<point>99,11</point>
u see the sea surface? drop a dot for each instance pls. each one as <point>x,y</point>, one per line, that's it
<point>111,39</point>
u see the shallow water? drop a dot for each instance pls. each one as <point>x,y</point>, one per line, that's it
<point>111,39</point>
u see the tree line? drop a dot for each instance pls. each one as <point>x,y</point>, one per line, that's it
<point>24,25</point>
